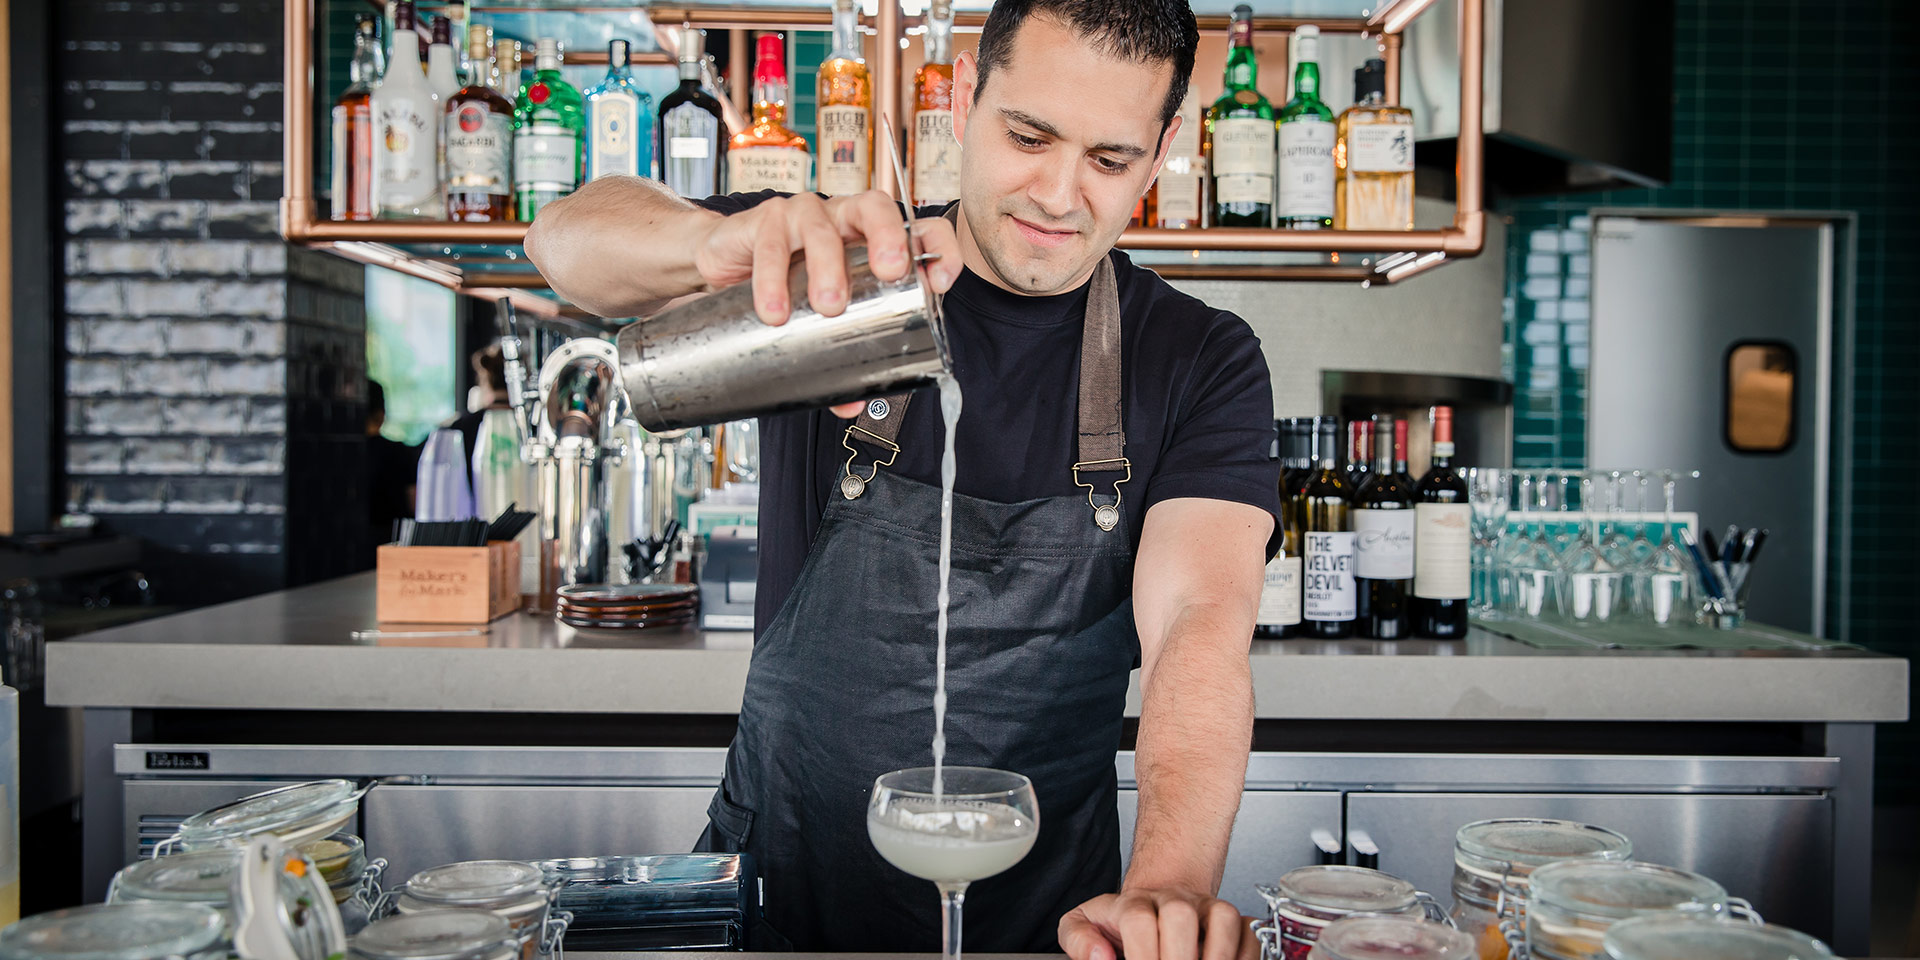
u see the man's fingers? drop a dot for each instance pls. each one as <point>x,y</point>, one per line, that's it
<point>1139,928</point>
<point>771,257</point>
<point>937,238</point>
<point>847,411</point>
<point>875,217</point>
<point>1081,938</point>
<point>826,259</point>
<point>1179,929</point>
<point>1249,943</point>
<point>1221,940</point>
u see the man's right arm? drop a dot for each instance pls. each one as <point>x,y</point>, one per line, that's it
<point>625,246</point>
<point>620,246</point>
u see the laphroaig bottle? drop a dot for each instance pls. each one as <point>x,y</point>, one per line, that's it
<point>1239,143</point>
<point>479,141</point>
<point>935,150</point>
<point>1383,522</point>
<point>619,121</point>
<point>692,142</point>
<point>1373,158</point>
<point>1175,201</point>
<point>353,128</point>
<point>768,155</point>
<point>406,119</point>
<point>1306,143</point>
<point>1279,616</point>
<point>548,123</point>
<point>1329,603</point>
<point>1443,544</point>
<point>844,114</point>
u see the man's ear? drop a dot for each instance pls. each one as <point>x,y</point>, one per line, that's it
<point>966,80</point>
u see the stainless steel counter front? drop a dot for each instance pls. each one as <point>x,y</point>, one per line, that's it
<point>295,651</point>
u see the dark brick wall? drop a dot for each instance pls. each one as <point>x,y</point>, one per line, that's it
<point>207,363</point>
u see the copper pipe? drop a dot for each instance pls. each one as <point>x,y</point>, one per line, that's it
<point>886,93</point>
<point>1313,241</point>
<point>1266,271</point>
<point>741,85</point>
<point>964,20</point>
<point>296,207</point>
<point>1470,158</point>
<point>598,58</point>
<point>1390,52</point>
<point>417,231</point>
<point>754,18</point>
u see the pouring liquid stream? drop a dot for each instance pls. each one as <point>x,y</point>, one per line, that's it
<point>950,415</point>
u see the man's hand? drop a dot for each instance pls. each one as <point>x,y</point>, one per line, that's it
<point>759,243</point>
<point>1157,925</point>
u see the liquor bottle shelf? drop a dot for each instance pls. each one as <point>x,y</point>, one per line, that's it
<point>486,259</point>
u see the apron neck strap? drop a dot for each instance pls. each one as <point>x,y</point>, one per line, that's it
<point>1101,445</point>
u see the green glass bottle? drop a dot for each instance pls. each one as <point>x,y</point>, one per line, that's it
<point>549,124</point>
<point>1307,134</point>
<point>1239,143</point>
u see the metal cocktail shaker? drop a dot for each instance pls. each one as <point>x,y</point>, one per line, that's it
<point>712,360</point>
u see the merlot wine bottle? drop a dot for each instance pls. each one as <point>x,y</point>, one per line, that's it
<point>1443,544</point>
<point>1383,522</point>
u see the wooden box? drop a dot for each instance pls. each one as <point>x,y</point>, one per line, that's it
<point>447,584</point>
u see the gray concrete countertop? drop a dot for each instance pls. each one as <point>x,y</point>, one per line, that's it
<point>295,650</point>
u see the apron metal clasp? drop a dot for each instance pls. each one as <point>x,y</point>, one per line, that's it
<point>853,484</point>
<point>1105,515</point>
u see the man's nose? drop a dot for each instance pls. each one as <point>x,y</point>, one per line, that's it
<point>1055,189</point>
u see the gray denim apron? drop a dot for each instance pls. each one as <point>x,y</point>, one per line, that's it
<point>1040,644</point>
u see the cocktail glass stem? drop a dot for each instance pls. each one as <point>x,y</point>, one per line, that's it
<point>953,897</point>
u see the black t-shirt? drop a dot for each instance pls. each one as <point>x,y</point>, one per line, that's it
<point>1197,408</point>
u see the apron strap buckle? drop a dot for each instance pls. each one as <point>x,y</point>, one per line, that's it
<point>1105,515</point>
<point>852,485</point>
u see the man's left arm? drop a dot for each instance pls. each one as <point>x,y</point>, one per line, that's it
<point>1196,590</point>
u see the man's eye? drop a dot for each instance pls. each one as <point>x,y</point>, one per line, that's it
<point>1024,142</point>
<point>1109,165</point>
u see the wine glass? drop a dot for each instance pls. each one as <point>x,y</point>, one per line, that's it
<point>1592,588</point>
<point>1615,544</point>
<point>1533,566</point>
<point>953,826</point>
<point>1670,577</point>
<point>1488,493</point>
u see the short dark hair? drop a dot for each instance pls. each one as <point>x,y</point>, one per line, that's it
<point>1155,31</point>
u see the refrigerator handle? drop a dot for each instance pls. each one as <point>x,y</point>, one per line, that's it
<point>1365,852</point>
<point>1326,846</point>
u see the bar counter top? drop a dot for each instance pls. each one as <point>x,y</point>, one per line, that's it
<point>296,650</point>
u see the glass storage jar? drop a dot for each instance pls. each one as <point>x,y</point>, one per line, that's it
<point>1686,936</point>
<point>1493,859</point>
<point>296,814</point>
<point>199,876</point>
<point>1572,903</point>
<point>515,891</point>
<point>118,931</point>
<point>437,935</point>
<point>1305,900</point>
<point>1390,938</point>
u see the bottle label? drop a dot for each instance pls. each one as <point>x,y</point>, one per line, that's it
<point>614,119</point>
<point>406,158</point>
<point>767,168</point>
<point>1328,589</point>
<point>1243,160</point>
<point>546,156</point>
<point>1306,168</point>
<point>1177,202</point>
<point>1380,148</point>
<point>936,158</point>
<point>1280,593</point>
<point>1383,544</point>
<point>340,162</point>
<point>692,136</point>
<point>845,166</point>
<point>1443,551</point>
<point>479,149</point>
<point>1186,140</point>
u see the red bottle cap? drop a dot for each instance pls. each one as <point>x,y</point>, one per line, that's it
<point>1442,424</point>
<point>770,63</point>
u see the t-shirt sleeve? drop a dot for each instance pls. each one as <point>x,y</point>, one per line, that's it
<point>732,203</point>
<point>1222,437</point>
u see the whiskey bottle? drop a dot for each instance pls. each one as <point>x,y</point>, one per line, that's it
<point>935,150</point>
<point>691,142</point>
<point>406,115</point>
<point>353,130</point>
<point>1240,137</point>
<point>479,141</point>
<point>1306,143</point>
<point>1373,158</point>
<point>1174,203</point>
<point>767,155</point>
<point>619,121</point>
<point>845,109</point>
<point>548,121</point>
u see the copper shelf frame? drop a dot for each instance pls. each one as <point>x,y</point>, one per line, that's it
<point>376,242</point>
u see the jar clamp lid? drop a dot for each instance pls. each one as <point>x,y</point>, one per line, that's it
<point>1511,849</point>
<point>436,935</point>
<point>1340,890</point>
<point>114,931</point>
<point>295,813</point>
<point>1696,936</point>
<point>1616,889</point>
<point>197,876</point>
<point>1392,938</point>
<point>478,883</point>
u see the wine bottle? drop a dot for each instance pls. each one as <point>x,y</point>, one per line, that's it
<point>1443,546</point>
<point>1279,616</point>
<point>1383,522</point>
<point>1359,452</point>
<point>1296,452</point>
<point>1327,589</point>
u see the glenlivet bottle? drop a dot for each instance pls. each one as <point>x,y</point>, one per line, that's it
<point>1240,137</point>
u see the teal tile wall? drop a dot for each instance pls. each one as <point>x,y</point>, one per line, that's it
<point>1778,105</point>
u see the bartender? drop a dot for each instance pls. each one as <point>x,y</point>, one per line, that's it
<point>1114,507</point>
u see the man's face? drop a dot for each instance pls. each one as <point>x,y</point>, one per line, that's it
<point>1056,153</point>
